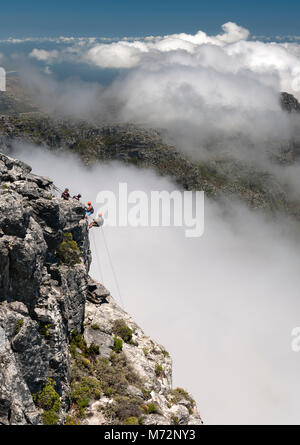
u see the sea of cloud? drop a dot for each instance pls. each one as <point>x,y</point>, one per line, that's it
<point>213,94</point>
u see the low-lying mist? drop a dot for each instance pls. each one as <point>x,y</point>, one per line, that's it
<point>223,305</point>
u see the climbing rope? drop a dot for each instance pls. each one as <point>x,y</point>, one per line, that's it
<point>56,189</point>
<point>98,259</point>
<point>113,269</point>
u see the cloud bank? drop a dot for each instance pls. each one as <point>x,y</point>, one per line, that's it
<point>213,94</point>
<point>258,57</point>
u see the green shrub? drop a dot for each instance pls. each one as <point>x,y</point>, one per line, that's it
<point>96,327</point>
<point>68,251</point>
<point>131,421</point>
<point>71,421</point>
<point>118,344</point>
<point>121,329</point>
<point>50,417</point>
<point>146,393</point>
<point>179,394</point>
<point>93,349</point>
<point>175,420</point>
<point>48,399</point>
<point>150,408</point>
<point>76,340</point>
<point>18,326</point>
<point>108,392</point>
<point>44,329</point>
<point>84,390</point>
<point>124,407</point>
<point>115,376</point>
<point>159,370</point>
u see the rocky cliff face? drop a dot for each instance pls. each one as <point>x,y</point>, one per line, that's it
<point>68,353</point>
<point>289,102</point>
<point>218,177</point>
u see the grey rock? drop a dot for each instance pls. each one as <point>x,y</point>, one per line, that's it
<point>100,338</point>
<point>289,102</point>
<point>42,301</point>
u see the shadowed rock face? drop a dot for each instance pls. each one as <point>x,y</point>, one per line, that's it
<point>44,301</point>
<point>289,102</point>
<point>219,176</point>
<point>145,148</point>
<point>35,290</point>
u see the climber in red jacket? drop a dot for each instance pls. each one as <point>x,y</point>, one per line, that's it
<point>66,195</point>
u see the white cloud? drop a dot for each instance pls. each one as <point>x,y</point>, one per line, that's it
<point>116,55</point>
<point>44,55</point>
<point>212,93</point>
<point>128,54</point>
<point>199,50</point>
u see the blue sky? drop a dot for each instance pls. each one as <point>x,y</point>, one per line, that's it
<point>114,18</point>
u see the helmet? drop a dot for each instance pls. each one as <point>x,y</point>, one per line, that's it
<point>89,203</point>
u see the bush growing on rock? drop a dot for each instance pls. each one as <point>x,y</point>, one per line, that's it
<point>124,407</point>
<point>118,344</point>
<point>50,417</point>
<point>175,420</point>
<point>68,251</point>
<point>108,392</point>
<point>159,370</point>
<point>131,421</point>
<point>179,394</point>
<point>44,329</point>
<point>121,329</point>
<point>84,390</point>
<point>18,326</point>
<point>115,376</point>
<point>48,399</point>
<point>77,341</point>
<point>150,408</point>
<point>71,421</point>
<point>95,327</point>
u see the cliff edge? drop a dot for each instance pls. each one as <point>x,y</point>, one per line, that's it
<point>68,353</point>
